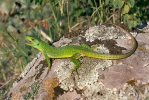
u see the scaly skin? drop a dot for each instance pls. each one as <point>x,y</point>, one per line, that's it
<point>74,51</point>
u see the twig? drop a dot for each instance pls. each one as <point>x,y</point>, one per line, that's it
<point>46,36</point>
<point>76,25</point>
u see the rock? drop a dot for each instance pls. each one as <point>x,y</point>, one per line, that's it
<point>96,79</point>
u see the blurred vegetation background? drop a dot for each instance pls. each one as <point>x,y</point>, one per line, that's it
<point>19,18</point>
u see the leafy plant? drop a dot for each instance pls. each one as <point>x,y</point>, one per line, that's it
<point>126,11</point>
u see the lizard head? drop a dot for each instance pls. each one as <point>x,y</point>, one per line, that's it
<point>40,45</point>
<point>34,43</point>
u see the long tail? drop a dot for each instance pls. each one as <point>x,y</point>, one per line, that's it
<point>118,56</point>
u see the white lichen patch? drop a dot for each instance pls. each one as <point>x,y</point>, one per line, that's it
<point>88,72</point>
<point>134,34</point>
<point>29,66</point>
<point>102,33</point>
<point>98,91</point>
<point>62,42</point>
<point>127,93</point>
<point>64,71</point>
<point>102,49</point>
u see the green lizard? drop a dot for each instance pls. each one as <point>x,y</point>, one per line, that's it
<point>75,51</point>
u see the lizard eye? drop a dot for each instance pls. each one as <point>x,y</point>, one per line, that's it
<point>37,43</point>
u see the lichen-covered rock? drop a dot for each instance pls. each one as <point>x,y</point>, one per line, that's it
<point>125,79</point>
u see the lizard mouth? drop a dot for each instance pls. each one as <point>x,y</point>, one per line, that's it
<point>29,43</point>
<point>30,39</point>
<point>32,42</point>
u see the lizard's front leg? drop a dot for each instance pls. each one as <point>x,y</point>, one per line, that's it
<point>75,60</point>
<point>47,59</point>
